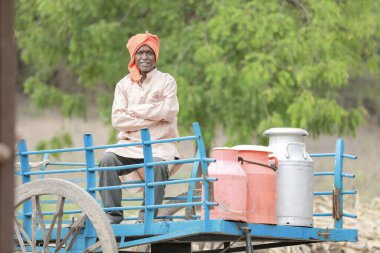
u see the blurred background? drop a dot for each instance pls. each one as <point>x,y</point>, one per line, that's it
<point>241,67</point>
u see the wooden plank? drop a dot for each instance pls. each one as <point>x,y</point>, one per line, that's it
<point>7,121</point>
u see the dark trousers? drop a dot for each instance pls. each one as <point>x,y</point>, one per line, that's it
<point>112,198</point>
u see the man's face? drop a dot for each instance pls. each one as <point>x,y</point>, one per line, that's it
<point>145,59</point>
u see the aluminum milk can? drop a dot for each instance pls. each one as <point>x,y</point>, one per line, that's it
<point>294,176</point>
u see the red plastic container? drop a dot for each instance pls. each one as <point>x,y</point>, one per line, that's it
<point>230,190</point>
<point>261,197</point>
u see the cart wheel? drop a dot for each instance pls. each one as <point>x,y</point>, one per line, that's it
<point>57,236</point>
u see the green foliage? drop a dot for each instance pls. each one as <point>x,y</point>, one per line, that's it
<point>45,96</point>
<point>59,141</point>
<point>241,65</point>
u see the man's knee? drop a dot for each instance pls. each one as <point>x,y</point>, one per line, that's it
<point>161,173</point>
<point>109,159</point>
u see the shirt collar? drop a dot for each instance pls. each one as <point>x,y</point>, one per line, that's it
<point>150,74</point>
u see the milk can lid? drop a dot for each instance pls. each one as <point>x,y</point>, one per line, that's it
<point>253,148</point>
<point>285,131</point>
<point>223,148</point>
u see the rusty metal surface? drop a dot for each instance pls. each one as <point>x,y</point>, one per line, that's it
<point>337,213</point>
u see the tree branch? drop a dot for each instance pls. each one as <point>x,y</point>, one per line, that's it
<point>302,7</point>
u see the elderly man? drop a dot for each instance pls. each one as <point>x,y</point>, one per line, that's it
<point>145,98</point>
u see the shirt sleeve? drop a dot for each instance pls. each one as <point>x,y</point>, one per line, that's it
<point>122,119</point>
<point>164,110</point>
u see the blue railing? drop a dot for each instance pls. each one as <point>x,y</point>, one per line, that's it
<point>188,201</point>
<point>90,169</point>
<point>338,192</point>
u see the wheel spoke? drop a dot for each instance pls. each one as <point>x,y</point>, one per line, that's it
<point>93,247</point>
<point>23,233</point>
<point>34,223</point>
<point>19,238</point>
<point>40,216</point>
<point>51,228</point>
<point>82,219</point>
<point>57,213</point>
<point>74,230</point>
<point>45,250</point>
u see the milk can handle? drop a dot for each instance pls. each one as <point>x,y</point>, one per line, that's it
<point>296,143</point>
<point>241,161</point>
<point>273,161</point>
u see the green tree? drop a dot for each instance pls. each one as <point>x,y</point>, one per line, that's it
<point>240,65</point>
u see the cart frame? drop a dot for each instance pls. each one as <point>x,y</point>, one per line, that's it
<point>186,229</point>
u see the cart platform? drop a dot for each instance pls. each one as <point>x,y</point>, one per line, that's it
<point>229,231</point>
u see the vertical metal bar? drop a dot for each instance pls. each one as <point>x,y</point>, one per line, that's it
<point>24,161</point>
<point>202,154</point>
<point>190,192</point>
<point>89,230</point>
<point>90,163</point>
<point>248,241</point>
<point>43,166</point>
<point>338,183</point>
<point>149,178</point>
<point>27,206</point>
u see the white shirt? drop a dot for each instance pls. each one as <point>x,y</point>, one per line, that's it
<point>151,104</point>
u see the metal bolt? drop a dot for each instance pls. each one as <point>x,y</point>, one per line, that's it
<point>326,234</point>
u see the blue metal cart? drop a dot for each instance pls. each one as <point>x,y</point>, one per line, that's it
<point>56,215</point>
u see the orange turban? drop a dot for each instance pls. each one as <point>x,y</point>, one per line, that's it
<point>134,44</point>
